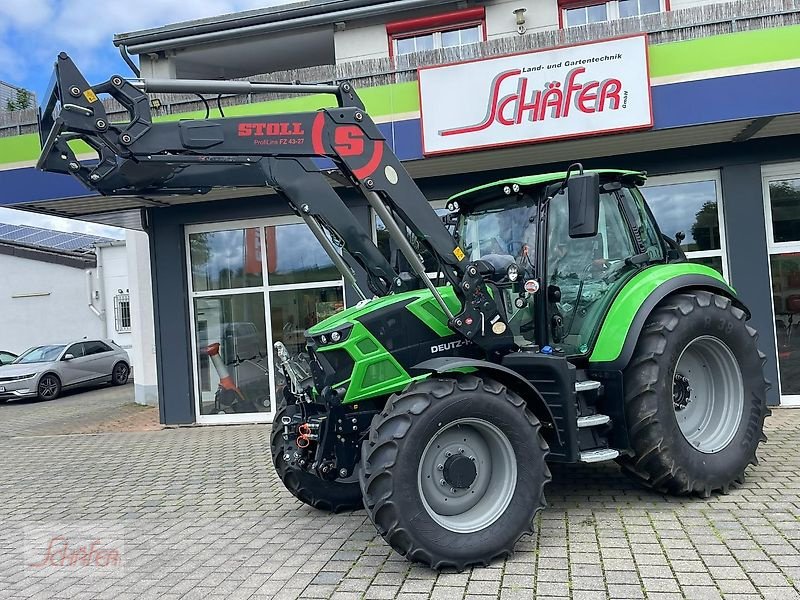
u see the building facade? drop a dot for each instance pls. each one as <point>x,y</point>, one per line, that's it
<point>60,287</point>
<point>10,94</point>
<point>704,106</point>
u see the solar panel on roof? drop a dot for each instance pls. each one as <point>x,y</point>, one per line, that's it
<point>47,238</point>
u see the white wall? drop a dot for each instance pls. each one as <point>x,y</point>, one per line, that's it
<point>143,354</point>
<point>361,43</point>
<point>110,277</point>
<point>60,314</point>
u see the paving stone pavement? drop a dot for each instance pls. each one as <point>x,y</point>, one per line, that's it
<point>199,513</point>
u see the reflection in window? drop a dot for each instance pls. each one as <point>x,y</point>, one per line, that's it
<point>437,39</point>
<point>597,12</point>
<point>232,354</point>
<point>295,256</point>
<point>225,259</point>
<point>785,269</point>
<point>784,196</point>
<point>688,207</point>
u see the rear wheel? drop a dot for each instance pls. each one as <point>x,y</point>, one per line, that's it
<point>49,387</point>
<point>454,471</point>
<point>331,496</point>
<point>695,396</point>
<point>120,374</point>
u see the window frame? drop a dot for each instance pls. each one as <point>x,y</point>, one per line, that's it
<point>612,10</point>
<point>696,177</point>
<point>120,300</point>
<point>435,24</point>
<point>265,288</point>
<point>770,173</point>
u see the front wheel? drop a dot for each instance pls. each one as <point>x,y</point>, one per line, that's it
<point>49,387</point>
<point>454,471</point>
<point>330,496</point>
<point>695,396</point>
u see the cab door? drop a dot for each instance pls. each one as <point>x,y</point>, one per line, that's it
<point>584,274</point>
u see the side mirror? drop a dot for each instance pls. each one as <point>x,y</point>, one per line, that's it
<point>583,193</point>
<point>69,356</point>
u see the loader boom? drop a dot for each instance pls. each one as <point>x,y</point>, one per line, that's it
<point>193,156</point>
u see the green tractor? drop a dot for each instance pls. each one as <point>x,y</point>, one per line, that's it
<point>560,324</point>
<point>624,351</point>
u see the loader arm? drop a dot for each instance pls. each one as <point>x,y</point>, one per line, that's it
<point>196,155</point>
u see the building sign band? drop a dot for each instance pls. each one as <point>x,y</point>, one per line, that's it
<point>591,88</point>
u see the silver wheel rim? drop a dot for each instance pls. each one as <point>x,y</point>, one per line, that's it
<point>120,373</point>
<point>47,387</point>
<point>708,394</point>
<point>461,506</point>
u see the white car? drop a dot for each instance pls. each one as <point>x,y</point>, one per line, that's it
<point>44,371</point>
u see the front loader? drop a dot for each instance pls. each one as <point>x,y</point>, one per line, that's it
<point>561,326</point>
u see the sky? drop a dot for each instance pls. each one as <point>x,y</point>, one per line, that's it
<point>33,32</point>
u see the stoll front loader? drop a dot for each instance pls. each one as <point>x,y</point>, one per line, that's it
<point>564,327</point>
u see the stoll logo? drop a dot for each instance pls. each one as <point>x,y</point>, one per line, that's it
<point>555,101</point>
<point>537,96</point>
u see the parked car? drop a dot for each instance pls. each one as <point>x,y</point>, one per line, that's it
<point>45,371</point>
<point>6,358</point>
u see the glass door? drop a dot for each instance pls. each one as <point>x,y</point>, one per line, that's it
<point>251,284</point>
<point>782,209</point>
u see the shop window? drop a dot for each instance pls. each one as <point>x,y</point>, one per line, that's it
<point>122,313</point>
<point>295,256</point>
<point>575,13</point>
<point>439,31</point>
<point>692,204</point>
<point>225,259</point>
<point>252,286</point>
<point>782,199</point>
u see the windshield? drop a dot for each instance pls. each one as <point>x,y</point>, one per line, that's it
<point>40,354</point>
<point>506,226</point>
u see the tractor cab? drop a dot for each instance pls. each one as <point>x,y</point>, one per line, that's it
<point>558,253</point>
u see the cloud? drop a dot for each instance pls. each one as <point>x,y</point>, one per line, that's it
<point>33,32</point>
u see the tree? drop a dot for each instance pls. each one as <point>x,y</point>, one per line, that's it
<point>22,101</point>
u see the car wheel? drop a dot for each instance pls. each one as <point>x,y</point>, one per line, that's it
<point>49,387</point>
<point>120,374</point>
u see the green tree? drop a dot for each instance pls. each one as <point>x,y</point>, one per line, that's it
<point>23,99</point>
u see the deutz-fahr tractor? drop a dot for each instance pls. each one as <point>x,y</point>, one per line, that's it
<point>560,324</point>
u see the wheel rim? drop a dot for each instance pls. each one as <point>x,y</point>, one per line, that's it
<point>48,387</point>
<point>477,464</point>
<point>120,373</point>
<point>708,394</point>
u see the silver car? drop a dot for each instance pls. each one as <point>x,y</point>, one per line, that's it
<point>44,371</point>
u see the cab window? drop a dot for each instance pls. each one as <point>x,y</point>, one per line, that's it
<point>634,203</point>
<point>585,272</point>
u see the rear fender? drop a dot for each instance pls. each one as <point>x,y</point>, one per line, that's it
<point>508,377</point>
<point>628,313</point>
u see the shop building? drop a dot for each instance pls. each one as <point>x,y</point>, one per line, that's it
<point>703,102</point>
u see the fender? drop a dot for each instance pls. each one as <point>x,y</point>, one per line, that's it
<point>629,311</point>
<point>504,375</point>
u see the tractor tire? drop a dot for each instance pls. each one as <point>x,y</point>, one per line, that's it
<point>330,496</point>
<point>477,437</point>
<point>695,396</point>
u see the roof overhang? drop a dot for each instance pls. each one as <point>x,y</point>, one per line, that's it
<point>125,211</point>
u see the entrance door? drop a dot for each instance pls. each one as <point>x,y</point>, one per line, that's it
<point>782,208</point>
<point>252,283</point>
